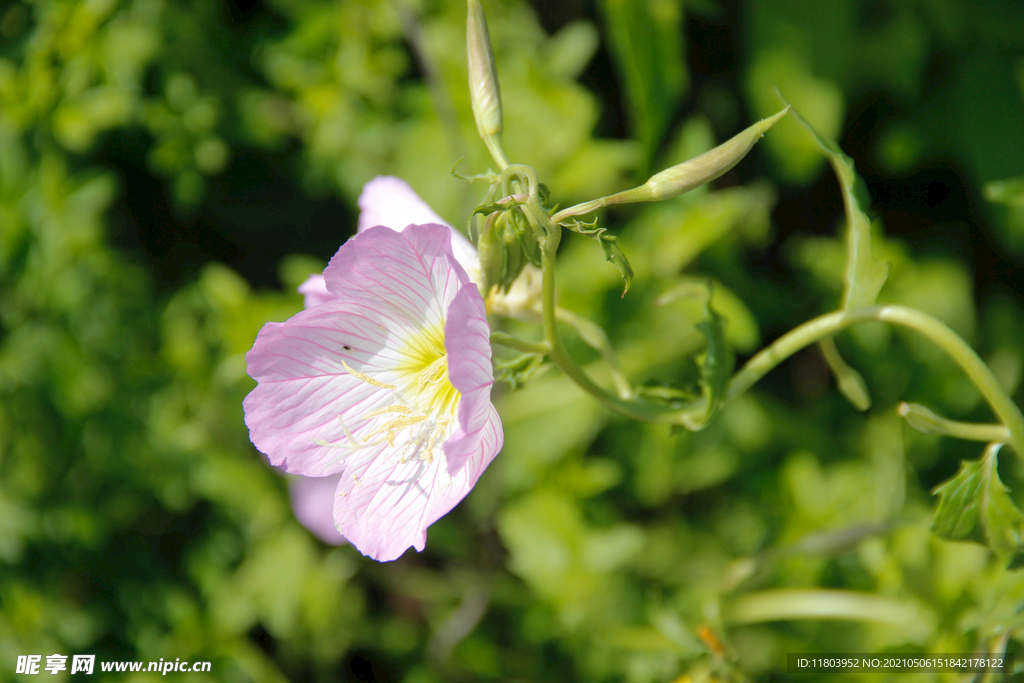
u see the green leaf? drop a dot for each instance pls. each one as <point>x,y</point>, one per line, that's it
<point>503,204</point>
<point>646,41</point>
<point>864,275</point>
<point>975,506</point>
<point>670,395</point>
<point>717,367</point>
<point>717,360</point>
<point>609,244</point>
<point>957,514</point>
<point>490,176</point>
<point>613,254</point>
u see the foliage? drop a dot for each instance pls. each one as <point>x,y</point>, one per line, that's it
<point>138,522</point>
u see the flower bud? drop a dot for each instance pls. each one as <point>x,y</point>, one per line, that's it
<point>703,169</point>
<point>491,251</point>
<point>483,77</point>
<point>504,250</point>
<point>514,258</point>
<point>683,177</point>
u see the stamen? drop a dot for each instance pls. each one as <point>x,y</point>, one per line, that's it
<point>434,372</point>
<point>429,401</point>
<point>387,409</point>
<point>439,429</point>
<point>392,425</point>
<point>352,443</point>
<point>366,378</point>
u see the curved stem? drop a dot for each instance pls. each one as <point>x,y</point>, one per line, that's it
<point>494,146</point>
<point>510,170</point>
<point>826,325</point>
<point>558,355</point>
<point>791,603</point>
<point>757,367</point>
<point>511,342</point>
<point>594,336</point>
<point>926,421</point>
<point>581,209</point>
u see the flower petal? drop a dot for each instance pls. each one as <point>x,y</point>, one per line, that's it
<point>468,344</point>
<point>313,504</point>
<point>391,202</point>
<point>314,291</point>
<point>384,506</point>
<point>305,397</point>
<point>410,273</point>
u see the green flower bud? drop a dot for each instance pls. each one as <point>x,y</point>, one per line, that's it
<point>514,260</point>
<point>483,77</point>
<point>491,251</point>
<point>531,247</point>
<point>683,177</point>
<point>504,248</point>
<point>703,169</point>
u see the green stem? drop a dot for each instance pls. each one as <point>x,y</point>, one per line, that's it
<point>494,146</point>
<point>519,344</point>
<point>790,604</point>
<point>757,367</point>
<point>819,328</point>
<point>594,336</point>
<point>584,208</point>
<point>638,410</point>
<point>924,420</point>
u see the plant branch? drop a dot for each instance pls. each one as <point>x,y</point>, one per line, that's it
<point>594,337</point>
<point>924,420</point>
<point>519,344</point>
<point>819,328</point>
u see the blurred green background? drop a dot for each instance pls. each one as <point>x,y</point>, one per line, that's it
<point>171,170</point>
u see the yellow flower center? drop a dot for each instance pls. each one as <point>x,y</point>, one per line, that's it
<point>428,390</point>
<point>423,412</point>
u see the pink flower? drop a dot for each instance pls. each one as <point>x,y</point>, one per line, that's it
<point>387,384</point>
<point>391,202</point>
<point>313,505</point>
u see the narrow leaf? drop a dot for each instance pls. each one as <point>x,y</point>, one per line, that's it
<point>517,371</point>
<point>957,515</point>
<point>613,254</point>
<point>717,360</point>
<point>717,367</point>
<point>675,396</point>
<point>864,275</point>
<point>646,41</point>
<point>1001,517</point>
